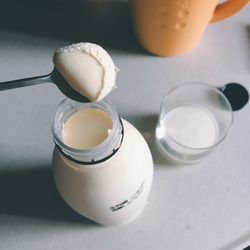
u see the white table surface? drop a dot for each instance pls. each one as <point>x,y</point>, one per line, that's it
<point>204,206</point>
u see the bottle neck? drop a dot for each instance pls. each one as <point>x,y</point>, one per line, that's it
<point>100,152</point>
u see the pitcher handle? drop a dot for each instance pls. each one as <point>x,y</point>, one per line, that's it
<point>227,9</point>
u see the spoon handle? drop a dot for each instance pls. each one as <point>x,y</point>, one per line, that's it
<point>25,82</point>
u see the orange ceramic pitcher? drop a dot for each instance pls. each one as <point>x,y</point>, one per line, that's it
<point>173,27</point>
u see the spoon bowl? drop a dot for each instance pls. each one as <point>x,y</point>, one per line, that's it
<point>57,78</point>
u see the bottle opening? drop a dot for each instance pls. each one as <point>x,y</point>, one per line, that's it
<point>87,132</point>
<point>87,128</point>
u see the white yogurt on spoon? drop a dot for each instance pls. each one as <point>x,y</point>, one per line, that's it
<point>88,69</point>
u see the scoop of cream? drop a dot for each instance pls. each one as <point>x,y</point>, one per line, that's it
<point>88,69</point>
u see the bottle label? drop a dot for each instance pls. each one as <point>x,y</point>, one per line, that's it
<point>129,200</point>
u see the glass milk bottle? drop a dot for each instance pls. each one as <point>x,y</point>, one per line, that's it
<point>102,166</point>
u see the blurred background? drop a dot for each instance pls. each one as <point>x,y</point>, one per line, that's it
<point>104,22</point>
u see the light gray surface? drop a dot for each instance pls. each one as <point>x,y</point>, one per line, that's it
<point>204,206</point>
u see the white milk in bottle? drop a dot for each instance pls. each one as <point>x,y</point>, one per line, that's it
<point>102,165</point>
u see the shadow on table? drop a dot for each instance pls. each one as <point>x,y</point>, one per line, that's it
<point>107,23</point>
<point>31,192</point>
<point>146,124</point>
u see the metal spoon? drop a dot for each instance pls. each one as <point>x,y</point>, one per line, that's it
<point>54,77</point>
